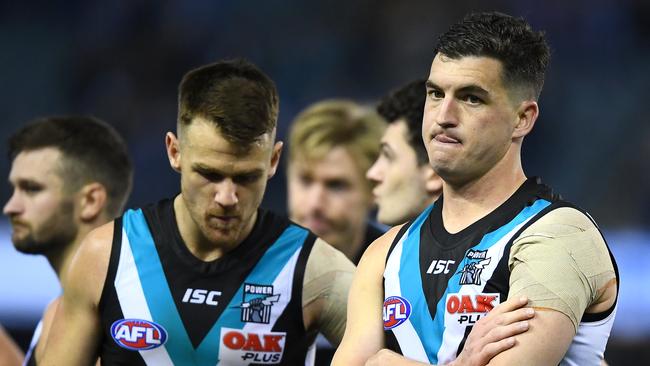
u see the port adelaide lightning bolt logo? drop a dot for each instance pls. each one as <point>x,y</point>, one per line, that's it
<point>471,272</point>
<point>257,303</point>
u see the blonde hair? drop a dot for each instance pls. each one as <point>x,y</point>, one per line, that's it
<point>326,125</point>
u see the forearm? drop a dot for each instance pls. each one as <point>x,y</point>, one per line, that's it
<point>545,343</point>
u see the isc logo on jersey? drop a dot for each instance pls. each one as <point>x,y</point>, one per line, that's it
<point>396,311</point>
<point>138,334</point>
<point>468,309</point>
<point>200,296</point>
<point>239,347</point>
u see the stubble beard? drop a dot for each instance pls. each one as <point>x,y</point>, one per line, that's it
<point>53,235</point>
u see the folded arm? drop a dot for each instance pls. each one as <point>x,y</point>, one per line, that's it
<point>363,342</point>
<point>562,264</point>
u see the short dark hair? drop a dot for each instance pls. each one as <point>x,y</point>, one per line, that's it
<point>523,52</point>
<point>235,95</point>
<point>407,103</point>
<point>92,152</point>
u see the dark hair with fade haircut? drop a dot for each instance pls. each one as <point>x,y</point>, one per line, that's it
<point>523,52</point>
<point>92,151</point>
<point>407,103</point>
<point>235,95</point>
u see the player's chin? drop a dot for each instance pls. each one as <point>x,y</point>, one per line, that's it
<point>383,216</point>
<point>26,245</point>
<point>388,212</point>
<point>222,235</point>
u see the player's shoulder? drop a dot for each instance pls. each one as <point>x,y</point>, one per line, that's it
<point>90,263</point>
<point>98,240</point>
<point>327,258</point>
<point>378,249</point>
<point>50,309</point>
<point>561,231</point>
<point>561,221</point>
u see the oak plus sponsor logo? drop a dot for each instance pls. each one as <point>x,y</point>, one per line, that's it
<point>138,334</point>
<point>257,303</point>
<point>468,309</point>
<point>396,311</point>
<point>239,347</point>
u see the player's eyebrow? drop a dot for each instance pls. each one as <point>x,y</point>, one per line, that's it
<point>470,88</point>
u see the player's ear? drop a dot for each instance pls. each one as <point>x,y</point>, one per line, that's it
<point>172,145</point>
<point>92,202</point>
<point>527,114</point>
<point>275,158</point>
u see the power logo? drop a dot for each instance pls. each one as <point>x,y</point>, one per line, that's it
<point>138,334</point>
<point>257,303</point>
<point>468,309</point>
<point>238,347</point>
<point>396,311</point>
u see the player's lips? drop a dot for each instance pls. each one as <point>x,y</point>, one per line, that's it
<point>446,138</point>
<point>222,219</point>
<point>225,218</point>
<point>319,226</point>
<point>17,224</point>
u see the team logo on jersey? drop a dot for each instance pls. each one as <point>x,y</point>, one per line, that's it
<point>239,347</point>
<point>138,334</point>
<point>468,309</point>
<point>396,310</point>
<point>470,274</point>
<point>257,303</point>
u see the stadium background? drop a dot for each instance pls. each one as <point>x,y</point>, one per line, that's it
<point>122,60</point>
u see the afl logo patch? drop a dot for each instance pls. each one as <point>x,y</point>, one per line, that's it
<point>138,334</point>
<point>396,311</point>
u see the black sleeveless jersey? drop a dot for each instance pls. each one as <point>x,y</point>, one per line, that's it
<point>162,306</point>
<point>438,284</point>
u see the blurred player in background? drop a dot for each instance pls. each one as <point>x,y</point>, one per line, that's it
<point>405,183</point>
<point>69,176</point>
<point>331,146</point>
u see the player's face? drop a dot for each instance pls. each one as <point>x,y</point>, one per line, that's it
<point>40,212</point>
<point>222,185</point>
<point>400,183</point>
<point>329,196</point>
<point>469,118</point>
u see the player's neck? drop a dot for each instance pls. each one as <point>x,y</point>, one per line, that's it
<point>351,244</point>
<point>60,258</point>
<point>468,202</point>
<point>200,246</point>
